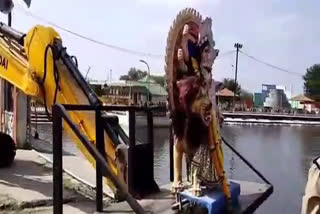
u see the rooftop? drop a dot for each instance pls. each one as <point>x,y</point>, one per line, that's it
<point>225,93</point>
<point>302,98</point>
<point>151,85</point>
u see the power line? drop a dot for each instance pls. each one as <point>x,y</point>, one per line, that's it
<point>138,53</point>
<point>225,53</point>
<point>270,65</point>
<point>91,39</point>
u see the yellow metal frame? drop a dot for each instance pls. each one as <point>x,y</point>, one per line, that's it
<point>24,68</point>
<point>14,68</point>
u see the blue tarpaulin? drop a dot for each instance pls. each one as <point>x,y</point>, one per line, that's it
<point>214,201</point>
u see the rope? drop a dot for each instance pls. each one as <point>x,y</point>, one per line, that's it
<point>246,162</point>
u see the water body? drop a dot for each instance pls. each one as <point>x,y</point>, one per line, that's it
<point>282,153</point>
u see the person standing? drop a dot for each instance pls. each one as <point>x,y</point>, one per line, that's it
<point>311,199</point>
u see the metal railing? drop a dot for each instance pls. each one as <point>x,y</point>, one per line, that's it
<point>59,113</point>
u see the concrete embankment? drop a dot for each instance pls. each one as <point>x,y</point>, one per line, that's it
<point>268,118</point>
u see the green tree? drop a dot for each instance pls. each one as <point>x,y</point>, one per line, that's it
<point>124,77</point>
<point>230,84</point>
<point>312,82</point>
<point>159,79</point>
<point>134,74</point>
<point>245,95</point>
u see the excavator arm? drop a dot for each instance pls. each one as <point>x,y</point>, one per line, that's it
<point>39,65</point>
<point>14,65</point>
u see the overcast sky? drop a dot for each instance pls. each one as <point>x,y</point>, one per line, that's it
<point>285,33</point>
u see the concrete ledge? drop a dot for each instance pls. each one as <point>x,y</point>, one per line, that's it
<point>28,184</point>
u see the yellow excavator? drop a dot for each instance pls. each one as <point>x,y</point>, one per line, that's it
<point>38,64</point>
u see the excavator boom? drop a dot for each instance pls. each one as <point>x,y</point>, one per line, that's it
<point>39,65</point>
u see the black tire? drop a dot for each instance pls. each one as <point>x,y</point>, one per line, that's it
<point>7,150</point>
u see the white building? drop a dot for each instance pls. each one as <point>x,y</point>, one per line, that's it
<point>277,97</point>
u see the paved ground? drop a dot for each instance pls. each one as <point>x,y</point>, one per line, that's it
<point>26,187</point>
<point>72,157</point>
<point>74,208</point>
<point>80,169</point>
<point>28,184</point>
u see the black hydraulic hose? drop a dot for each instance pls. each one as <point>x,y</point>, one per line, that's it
<point>56,79</point>
<point>111,133</point>
<point>92,97</point>
<point>45,102</point>
<point>69,63</point>
<point>246,161</point>
<point>56,76</point>
<point>122,134</point>
<point>74,58</point>
<point>45,64</point>
<point>49,47</point>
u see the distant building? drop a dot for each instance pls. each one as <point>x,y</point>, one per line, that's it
<point>272,96</point>
<point>97,85</point>
<point>285,90</point>
<point>266,90</point>
<point>225,95</point>
<point>302,102</point>
<point>135,92</point>
<point>224,98</point>
<point>276,99</point>
<point>257,100</point>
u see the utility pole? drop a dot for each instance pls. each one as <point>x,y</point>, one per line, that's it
<point>237,46</point>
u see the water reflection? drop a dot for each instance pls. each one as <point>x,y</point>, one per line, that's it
<point>281,153</point>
